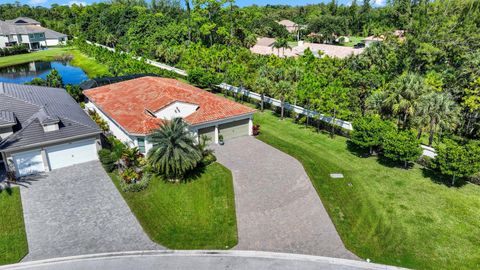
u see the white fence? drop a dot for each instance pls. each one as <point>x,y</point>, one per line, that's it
<point>275,102</point>
<point>300,110</point>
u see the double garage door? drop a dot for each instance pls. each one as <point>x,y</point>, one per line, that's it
<point>228,130</point>
<point>58,156</point>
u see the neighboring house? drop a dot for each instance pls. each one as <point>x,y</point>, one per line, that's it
<point>134,108</point>
<point>291,27</point>
<point>372,39</point>
<point>43,129</point>
<point>30,35</point>
<point>264,47</point>
<point>50,37</point>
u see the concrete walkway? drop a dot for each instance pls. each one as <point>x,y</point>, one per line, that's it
<point>77,210</point>
<point>277,207</point>
<point>198,260</point>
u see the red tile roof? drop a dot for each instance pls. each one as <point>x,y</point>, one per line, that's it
<point>126,103</point>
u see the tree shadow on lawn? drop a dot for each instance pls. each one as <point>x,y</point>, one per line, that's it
<point>394,164</point>
<point>441,179</point>
<point>357,151</point>
<point>194,174</point>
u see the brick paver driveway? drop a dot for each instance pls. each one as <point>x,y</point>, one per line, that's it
<point>77,210</point>
<point>277,207</point>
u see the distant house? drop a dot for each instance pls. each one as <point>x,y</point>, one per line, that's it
<point>291,27</point>
<point>43,129</point>
<point>17,30</point>
<point>134,108</point>
<point>30,35</point>
<point>372,39</point>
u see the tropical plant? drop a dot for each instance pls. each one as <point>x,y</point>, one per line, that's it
<point>281,90</point>
<point>438,111</point>
<point>98,120</point>
<point>174,151</point>
<point>281,43</point>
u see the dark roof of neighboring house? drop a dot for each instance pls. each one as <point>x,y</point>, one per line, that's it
<point>23,20</point>
<point>50,34</point>
<point>7,118</point>
<point>11,29</point>
<point>34,106</point>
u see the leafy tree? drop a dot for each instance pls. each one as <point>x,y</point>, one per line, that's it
<point>54,79</point>
<point>368,132</point>
<point>282,89</point>
<point>174,150</point>
<point>401,146</point>
<point>458,160</point>
<point>333,100</point>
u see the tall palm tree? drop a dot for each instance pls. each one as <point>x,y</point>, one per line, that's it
<point>282,89</point>
<point>174,150</point>
<point>402,97</point>
<point>438,111</point>
<point>262,86</point>
<point>281,43</point>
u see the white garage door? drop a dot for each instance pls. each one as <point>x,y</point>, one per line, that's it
<point>27,163</point>
<point>68,154</point>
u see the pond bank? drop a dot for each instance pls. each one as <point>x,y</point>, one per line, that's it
<point>89,65</point>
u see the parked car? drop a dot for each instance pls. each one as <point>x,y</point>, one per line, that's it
<point>359,45</point>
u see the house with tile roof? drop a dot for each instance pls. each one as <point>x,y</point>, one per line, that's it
<point>43,129</point>
<point>134,108</point>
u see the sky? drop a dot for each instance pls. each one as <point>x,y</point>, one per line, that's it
<point>239,2</point>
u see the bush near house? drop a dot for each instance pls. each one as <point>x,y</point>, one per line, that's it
<point>17,49</point>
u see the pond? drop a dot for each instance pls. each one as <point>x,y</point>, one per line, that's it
<point>24,73</point>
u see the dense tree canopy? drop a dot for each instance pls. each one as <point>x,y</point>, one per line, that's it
<point>396,79</point>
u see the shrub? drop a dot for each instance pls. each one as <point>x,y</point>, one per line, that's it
<point>208,159</point>
<point>401,146</point>
<point>107,160</point>
<point>256,130</point>
<point>98,120</point>
<point>137,185</point>
<point>368,132</point>
<point>129,175</point>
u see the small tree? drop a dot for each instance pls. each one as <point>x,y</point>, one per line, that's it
<point>457,160</point>
<point>401,146</point>
<point>174,150</point>
<point>54,79</point>
<point>368,132</point>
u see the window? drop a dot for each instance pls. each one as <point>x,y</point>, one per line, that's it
<point>141,145</point>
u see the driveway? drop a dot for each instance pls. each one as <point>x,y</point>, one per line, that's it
<point>277,207</point>
<point>78,210</point>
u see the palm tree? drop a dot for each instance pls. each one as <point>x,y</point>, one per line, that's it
<point>438,111</point>
<point>281,43</point>
<point>174,150</point>
<point>262,86</point>
<point>403,95</point>
<point>282,88</point>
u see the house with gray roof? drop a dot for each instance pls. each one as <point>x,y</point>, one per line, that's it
<point>31,35</point>
<point>24,30</point>
<point>43,129</point>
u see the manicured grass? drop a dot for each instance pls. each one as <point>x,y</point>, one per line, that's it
<point>89,65</point>
<point>353,40</point>
<point>199,214</point>
<point>388,214</point>
<point>13,239</point>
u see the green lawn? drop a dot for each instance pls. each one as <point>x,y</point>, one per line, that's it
<point>13,239</point>
<point>353,40</point>
<point>89,65</point>
<point>388,214</point>
<point>199,214</point>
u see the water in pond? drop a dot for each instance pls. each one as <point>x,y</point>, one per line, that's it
<point>24,73</point>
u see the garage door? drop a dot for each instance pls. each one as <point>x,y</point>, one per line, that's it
<point>27,163</point>
<point>234,129</point>
<point>209,132</point>
<point>69,154</point>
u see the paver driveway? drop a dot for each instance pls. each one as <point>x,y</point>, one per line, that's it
<point>77,210</point>
<point>277,207</point>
